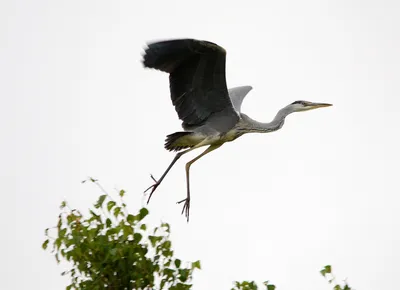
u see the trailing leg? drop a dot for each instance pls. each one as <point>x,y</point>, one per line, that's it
<point>171,139</point>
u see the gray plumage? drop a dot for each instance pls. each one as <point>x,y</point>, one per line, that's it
<point>210,113</point>
<point>237,96</point>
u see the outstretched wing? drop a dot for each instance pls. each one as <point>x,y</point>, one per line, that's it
<point>237,96</point>
<point>197,78</point>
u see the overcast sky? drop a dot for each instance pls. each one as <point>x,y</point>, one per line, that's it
<point>76,102</point>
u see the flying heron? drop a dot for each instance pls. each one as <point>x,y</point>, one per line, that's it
<point>211,113</point>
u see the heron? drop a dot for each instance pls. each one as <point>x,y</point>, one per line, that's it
<point>210,112</point>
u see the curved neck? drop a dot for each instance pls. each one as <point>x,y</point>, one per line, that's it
<point>274,125</point>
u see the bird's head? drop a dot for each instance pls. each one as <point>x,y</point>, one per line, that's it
<point>300,106</point>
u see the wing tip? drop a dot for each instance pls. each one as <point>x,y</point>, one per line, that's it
<point>156,49</point>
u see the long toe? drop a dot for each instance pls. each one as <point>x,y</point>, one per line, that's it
<point>153,188</point>
<point>186,209</point>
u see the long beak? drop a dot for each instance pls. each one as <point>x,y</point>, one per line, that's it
<point>319,105</point>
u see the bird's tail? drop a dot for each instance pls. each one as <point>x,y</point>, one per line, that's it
<point>178,141</point>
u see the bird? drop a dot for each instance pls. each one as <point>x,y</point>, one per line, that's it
<point>210,112</point>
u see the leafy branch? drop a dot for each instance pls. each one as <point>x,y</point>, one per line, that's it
<point>112,249</point>
<point>327,273</point>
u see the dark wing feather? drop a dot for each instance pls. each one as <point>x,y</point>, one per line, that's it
<point>197,77</point>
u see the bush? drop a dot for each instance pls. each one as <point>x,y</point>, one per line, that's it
<point>113,249</point>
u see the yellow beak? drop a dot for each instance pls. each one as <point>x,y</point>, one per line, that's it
<point>319,105</point>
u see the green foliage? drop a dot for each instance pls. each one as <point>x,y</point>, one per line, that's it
<point>327,273</point>
<point>111,249</point>
<point>326,270</point>
<point>246,285</point>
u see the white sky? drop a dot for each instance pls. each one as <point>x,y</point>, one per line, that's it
<point>76,102</point>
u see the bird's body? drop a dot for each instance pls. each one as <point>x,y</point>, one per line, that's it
<point>210,113</point>
<point>209,135</point>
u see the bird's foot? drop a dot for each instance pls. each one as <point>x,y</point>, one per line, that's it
<point>186,207</point>
<point>153,187</point>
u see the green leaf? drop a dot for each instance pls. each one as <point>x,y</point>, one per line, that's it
<point>143,227</point>
<point>121,193</point>
<point>137,237</point>
<point>100,201</point>
<point>95,217</point>
<point>131,219</point>
<point>143,213</point>
<point>154,240</point>
<point>108,223</point>
<point>45,243</point>
<point>271,287</point>
<point>166,245</point>
<point>57,258</point>
<point>63,204</point>
<point>162,284</point>
<point>168,263</point>
<point>117,211</point>
<point>57,243</point>
<point>196,265</point>
<point>177,263</point>
<point>169,273</point>
<point>183,274</point>
<point>62,233</point>
<point>166,227</point>
<point>323,272</point>
<point>128,230</point>
<point>328,269</point>
<point>110,205</point>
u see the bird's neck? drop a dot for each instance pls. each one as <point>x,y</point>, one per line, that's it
<point>274,125</point>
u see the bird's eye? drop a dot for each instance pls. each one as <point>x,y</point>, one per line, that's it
<point>300,103</point>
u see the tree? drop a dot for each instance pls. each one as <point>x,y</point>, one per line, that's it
<point>112,249</point>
